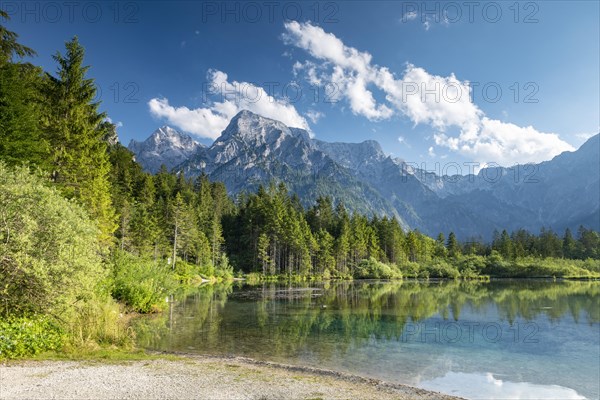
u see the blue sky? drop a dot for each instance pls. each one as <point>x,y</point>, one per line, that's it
<point>192,64</point>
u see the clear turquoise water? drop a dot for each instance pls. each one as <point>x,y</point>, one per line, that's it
<point>504,339</point>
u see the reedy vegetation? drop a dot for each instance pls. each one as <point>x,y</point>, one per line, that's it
<point>82,226</point>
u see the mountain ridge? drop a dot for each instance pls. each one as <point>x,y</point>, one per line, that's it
<point>253,150</point>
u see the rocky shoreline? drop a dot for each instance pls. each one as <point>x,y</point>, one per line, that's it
<point>192,377</point>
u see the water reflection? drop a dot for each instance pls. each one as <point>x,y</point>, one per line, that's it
<point>409,332</point>
<point>486,386</point>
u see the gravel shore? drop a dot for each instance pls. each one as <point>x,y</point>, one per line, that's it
<point>192,377</point>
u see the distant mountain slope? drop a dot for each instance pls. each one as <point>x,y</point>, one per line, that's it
<point>253,150</point>
<point>165,146</point>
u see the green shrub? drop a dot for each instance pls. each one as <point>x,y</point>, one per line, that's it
<point>471,266</point>
<point>373,269</point>
<point>100,321</point>
<point>441,269</point>
<point>141,284</point>
<point>50,257</point>
<point>411,270</point>
<point>185,272</point>
<point>27,336</point>
<point>207,270</point>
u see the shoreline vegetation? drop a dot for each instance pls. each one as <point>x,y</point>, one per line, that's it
<point>88,239</point>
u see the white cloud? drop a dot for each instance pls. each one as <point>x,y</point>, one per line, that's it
<point>441,102</point>
<point>402,140</point>
<point>210,121</point>
<point>314,115</point>
<point>431,152</point>
<point>585,135</point>
<point>506,144</point>
<point>203,122</point>
<point>117,124</point>
<point>411,15</point>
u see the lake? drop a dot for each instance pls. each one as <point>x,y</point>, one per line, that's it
<point>499,339</point>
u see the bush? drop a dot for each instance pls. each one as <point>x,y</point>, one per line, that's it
<point>27,336</point>
<point>471,266</point>
<point>411,270</point>
<point>141,284</point>
<point>441,269</point>
<point>50,257</point>
<point>100,321</point>
<point>374,269</point>
<point>185,272</point>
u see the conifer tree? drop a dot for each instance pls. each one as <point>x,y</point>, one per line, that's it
<point>75,129</point>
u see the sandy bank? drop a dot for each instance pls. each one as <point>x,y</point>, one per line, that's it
<point>192,377</point>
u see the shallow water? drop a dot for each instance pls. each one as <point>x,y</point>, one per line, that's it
<point>504,339</point>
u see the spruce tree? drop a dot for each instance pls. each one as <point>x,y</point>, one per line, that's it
<point>21,139</point>
<point>75,129</point>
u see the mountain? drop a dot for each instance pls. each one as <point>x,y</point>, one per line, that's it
<point>165,146</point>
<point>254,150</point>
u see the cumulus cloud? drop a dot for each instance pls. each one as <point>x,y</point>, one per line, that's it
<point>314,115</point>
<point>410,15</point>
<point>210,121</point>
<point>117,124</point>
<point>585,135</point>
<point>203,122</point>
<point>441,102</point>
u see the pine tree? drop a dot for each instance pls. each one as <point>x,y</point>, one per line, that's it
<point>452,245</point>
<point>505,246</point>
<point>263,254</point>
<point>569,245</point>
<point>9,47</point>
<point>325,259</point>
<point>74,127</point>
<point>21,139</point>
<point>440,247</point>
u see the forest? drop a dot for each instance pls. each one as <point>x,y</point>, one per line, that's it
<point>86,235</point>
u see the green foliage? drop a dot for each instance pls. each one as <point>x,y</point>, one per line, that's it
<point>28,336</point>
<point>21,139</point>
<point>373,269</point>
<point>442,269</point>
<point>141,284</point>
<point>97,322</point>
<point>49,253</point>
<point>9,47</point>
<point>75,128</point>
<point>531,267</point>
<point>471,266</point>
